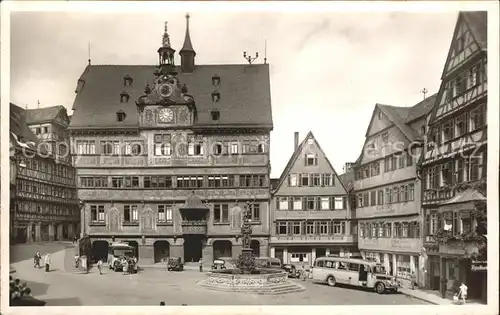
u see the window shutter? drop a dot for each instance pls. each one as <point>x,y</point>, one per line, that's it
<point>344,203</point>
<point>331,202</point>
<point>440,221</point>
<point>310,180</point>
<point>305,159</point>
<point>303,227</point>
<point>289,228</point>
<point>318,203</point>
<point>333,179</point>
<point>290,203</point>
<point>315,160</point>
<point>289,180</point>
<point>277,228</point>
<point>304,203</point>
<point>343,227</point>
<point>277,203</point>
<point>299,178</point>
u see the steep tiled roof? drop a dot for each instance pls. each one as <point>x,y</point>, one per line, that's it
<point>398,116</point>
<point>18,124</point>
<point>421,109</point>
<point>478,24</point>
<point>245,98</point>
<point>347,179</point>
<point>403,116</point>
<point>45,114</point>
<point>294,157</point>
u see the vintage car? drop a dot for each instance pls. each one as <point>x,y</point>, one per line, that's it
<point>224,263</point>
<point>292,270</point>
<point>175,263</point>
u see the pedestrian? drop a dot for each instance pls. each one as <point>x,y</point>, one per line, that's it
<point>444,284</point>
<point>38,257</point>
<point>47,263</point>
<point>201,265</point>
<point>463,292</point>
<point>303,273</point>
<point>99,266</point>
<point>125,267</point>
<point>76,259</point>
<point>413,280</point>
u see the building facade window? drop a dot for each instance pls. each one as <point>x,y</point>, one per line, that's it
<point>165,213</point>
<point>221,213</point>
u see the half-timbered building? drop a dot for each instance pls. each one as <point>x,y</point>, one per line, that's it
<point>168,155</point>
<point>310,211</point>
<point>454,163</point>
<point>387,190</point>
<point>44,206</point>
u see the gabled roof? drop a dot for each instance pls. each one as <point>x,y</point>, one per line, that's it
<point>421,109</point>
<point>18,124</point>
<point>401,117</point>
<point>245,97</point>
<point>467,195</point>
<point>347,179</point>
<point>42,115</point>
<point>478,25</point>
<point>294,157</point>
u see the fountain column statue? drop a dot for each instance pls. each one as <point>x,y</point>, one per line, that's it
<point>246,260</point>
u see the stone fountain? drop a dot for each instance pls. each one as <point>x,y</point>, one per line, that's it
<point>247,277</point>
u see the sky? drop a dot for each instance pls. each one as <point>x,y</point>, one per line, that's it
<point>328,69</point>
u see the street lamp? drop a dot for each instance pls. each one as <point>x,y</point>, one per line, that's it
<point>81,206</point>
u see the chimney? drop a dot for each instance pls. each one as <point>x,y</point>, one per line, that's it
<point>296,141</point>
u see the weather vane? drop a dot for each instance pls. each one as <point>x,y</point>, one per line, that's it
<point>249,58</point>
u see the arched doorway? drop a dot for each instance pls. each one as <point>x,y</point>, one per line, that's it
<point>99,250</point>
<point>222,249</point>
<point>161,250</point>
<point>255,246</point>
<point>135,245</point>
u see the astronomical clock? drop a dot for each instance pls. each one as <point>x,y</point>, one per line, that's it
<point>166,103</point>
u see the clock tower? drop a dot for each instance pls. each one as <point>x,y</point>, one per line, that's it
<point>166,103</point>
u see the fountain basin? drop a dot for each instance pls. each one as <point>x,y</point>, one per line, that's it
<point>261,281</point>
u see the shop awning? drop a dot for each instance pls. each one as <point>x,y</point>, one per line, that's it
<point>463,200</point>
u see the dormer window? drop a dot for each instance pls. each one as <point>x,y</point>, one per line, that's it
<point>215,97</point>
<point>120,115</point>
<point>215,114</point>
<point>215,80</point>
<point>124,97</point>
<point>127,80</point>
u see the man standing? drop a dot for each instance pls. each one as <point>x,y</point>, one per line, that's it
<point>47,263</point>
<point>444,284</point>
<point>463,292</point>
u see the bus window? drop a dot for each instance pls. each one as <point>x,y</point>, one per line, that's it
<point>342,265</point>
<point>329,264</point>
<point>354,267</point>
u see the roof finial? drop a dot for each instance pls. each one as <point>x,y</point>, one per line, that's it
<point>424,92</point>
<point>89,53</point>
<point>188,46</point>
<point>38,104</point>
<point>166,38</point>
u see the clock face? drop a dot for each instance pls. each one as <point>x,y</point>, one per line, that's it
<point>166,115</point>
<point>165,90</point>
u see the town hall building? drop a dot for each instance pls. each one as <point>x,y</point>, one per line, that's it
<point>168,156</point>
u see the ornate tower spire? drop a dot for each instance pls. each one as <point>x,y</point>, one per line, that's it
<point>166,39</point>
<point>166,54</point>
<point>187,52</point>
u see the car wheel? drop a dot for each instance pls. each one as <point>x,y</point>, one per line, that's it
<point>380,288</point>
<point>331,281</point>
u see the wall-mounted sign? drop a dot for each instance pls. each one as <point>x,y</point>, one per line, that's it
<point>479,265</point>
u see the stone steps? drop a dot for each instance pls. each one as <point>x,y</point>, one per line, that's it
<point>277,289</point>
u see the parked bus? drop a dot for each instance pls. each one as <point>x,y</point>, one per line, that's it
<point>117,252</point>
<point>355,272</point>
